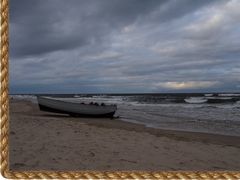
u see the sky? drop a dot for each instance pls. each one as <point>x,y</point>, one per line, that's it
<point>124,46</point>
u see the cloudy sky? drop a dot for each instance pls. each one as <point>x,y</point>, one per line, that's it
<point>124,46</point>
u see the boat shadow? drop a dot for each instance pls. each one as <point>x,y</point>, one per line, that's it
<point>64,116</point>
<point>56,115</point>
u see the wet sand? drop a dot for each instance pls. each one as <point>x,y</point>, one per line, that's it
<point>47,141</point>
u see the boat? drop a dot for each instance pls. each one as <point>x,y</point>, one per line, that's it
<point>74,108</point>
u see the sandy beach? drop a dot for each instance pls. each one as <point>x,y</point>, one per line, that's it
<point>47,141</point>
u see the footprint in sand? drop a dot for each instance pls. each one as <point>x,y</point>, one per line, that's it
<point>92,154</point>
<point>19,165</point>
<point>12,132</point>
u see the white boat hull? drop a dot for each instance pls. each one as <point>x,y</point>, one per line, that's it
<point>75,109</point>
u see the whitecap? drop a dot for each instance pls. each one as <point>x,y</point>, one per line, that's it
<point>195,100</point>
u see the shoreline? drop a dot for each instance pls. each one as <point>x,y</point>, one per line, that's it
<point>117,123</point>
<point>174,134</point>
<point>42,129</point>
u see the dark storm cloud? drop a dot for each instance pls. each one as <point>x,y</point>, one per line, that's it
<point>124,45</point>
<point>46,26</point>
<point>50,25</point>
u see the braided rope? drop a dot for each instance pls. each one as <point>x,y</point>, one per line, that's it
<point>121,175</point>
<point>4,86</point>
<point>72,174</point>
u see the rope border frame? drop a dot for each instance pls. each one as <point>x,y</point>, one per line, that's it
<point>72,174</point>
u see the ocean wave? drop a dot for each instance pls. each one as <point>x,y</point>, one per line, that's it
<point>208,95</point>
<point>222,100</point>
<point>31,98</point>
<point>195,100</point>
<point>235,94</point>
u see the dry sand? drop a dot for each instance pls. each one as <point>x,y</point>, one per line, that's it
<point>47,141</point>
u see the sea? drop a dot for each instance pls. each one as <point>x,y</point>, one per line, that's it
<point>215,113</point>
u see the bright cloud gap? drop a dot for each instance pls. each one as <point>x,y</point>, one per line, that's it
<point>188,85</point>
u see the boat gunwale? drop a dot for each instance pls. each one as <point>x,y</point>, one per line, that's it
<point>76,103</point>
